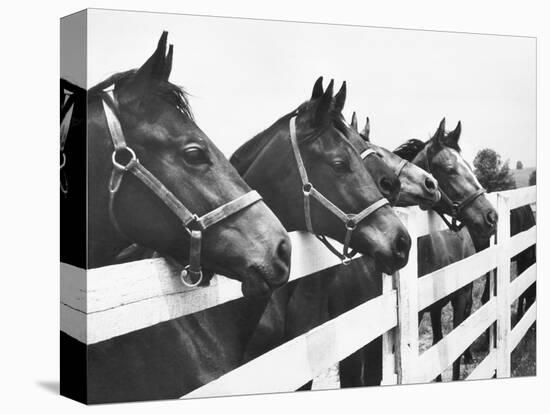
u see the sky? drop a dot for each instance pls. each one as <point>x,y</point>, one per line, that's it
<point>243,75</point>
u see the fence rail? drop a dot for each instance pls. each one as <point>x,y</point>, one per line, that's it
<point>114,300</point>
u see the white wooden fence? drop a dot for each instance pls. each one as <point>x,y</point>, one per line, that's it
<point>115,300</point>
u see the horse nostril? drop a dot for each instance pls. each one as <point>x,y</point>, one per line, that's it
<point>492,217</point>
<point>402,246</point>
<point>430,185</point>
<point>284,251</point>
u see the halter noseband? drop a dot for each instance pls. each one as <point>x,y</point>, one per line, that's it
<point>455,207</point>
<point>350,220</point>
<point>193,224</point>
<point>398,169</point>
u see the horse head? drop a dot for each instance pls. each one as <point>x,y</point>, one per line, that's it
<point>418,187</point>
<point>462,196</point>
<point>308,151</point>
<point>190,191</point>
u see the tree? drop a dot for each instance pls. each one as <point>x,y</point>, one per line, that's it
<point>519,165</point>
<point>492,173</point>
<point>533,178</point>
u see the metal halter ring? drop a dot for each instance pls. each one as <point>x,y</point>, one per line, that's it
<point>63,160</point>
<point>306,188</point>
<point>184,273</point>
<point>119,166</point>
<point>351,224</point>
<point>346,260</point>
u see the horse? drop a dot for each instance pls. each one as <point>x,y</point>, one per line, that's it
<point>180,174</point>
<point>463,199</point>
<point>189,181</point>
<point>306,305</point>
<point>306,152</point>
<point>349,286</point>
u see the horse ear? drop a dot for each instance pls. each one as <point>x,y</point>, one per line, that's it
<point>324,104</point>
<point>366,131</point>
<point>340,98</point>
<point>154,69</point>
<point>354,122</point>
<point>168,64</point>
<point>439,136</point>
<point>454,136</point>
<point>317,88</point>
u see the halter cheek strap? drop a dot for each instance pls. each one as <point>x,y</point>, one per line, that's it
<point>66,114</point>
<point>309,191</point>
<point>193,224</point>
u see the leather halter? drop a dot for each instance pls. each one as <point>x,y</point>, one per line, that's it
<point>456,207</point>
<point>350,220</point>
<point>193,224</point>
<point>66,115</point>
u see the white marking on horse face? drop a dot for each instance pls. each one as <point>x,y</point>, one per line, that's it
<point>466,167</point>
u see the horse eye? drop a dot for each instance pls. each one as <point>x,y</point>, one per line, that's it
<point>340,166</point>
<point>195,155</point>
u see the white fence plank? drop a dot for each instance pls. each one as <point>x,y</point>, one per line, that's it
<point>520,196</point>
<point>522,241</point>
<point>294,363</point>
<point>119,299</point>
<point>523,326</point>
<point>443,282</point>
<point>522,282</point>
<point>486,368</point>
<point>440,356</point>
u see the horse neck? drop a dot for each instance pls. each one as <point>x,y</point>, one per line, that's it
<point>104,241</point>
<point>274,175</point>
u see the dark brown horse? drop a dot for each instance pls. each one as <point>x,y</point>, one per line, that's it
<point>171,358</point>
<point>306,306</point>
<point>464,201</point>
<point>335,169</point>
<point>249,245</point>
<point>350,286</point>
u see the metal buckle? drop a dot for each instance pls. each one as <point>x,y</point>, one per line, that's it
<point>118,165</point>
<point>184,274</point>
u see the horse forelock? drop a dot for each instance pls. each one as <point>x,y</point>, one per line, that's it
<point>172,94</point>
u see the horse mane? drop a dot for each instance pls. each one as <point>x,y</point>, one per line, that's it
<point>410,149</point>
<point>172,94</point>
<point>245,155</point>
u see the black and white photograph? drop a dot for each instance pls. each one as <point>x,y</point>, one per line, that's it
<point>263,206</point>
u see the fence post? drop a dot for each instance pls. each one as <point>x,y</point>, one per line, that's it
<point>407,307</point>
<point>389,376</point>
<point>503,367</point>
